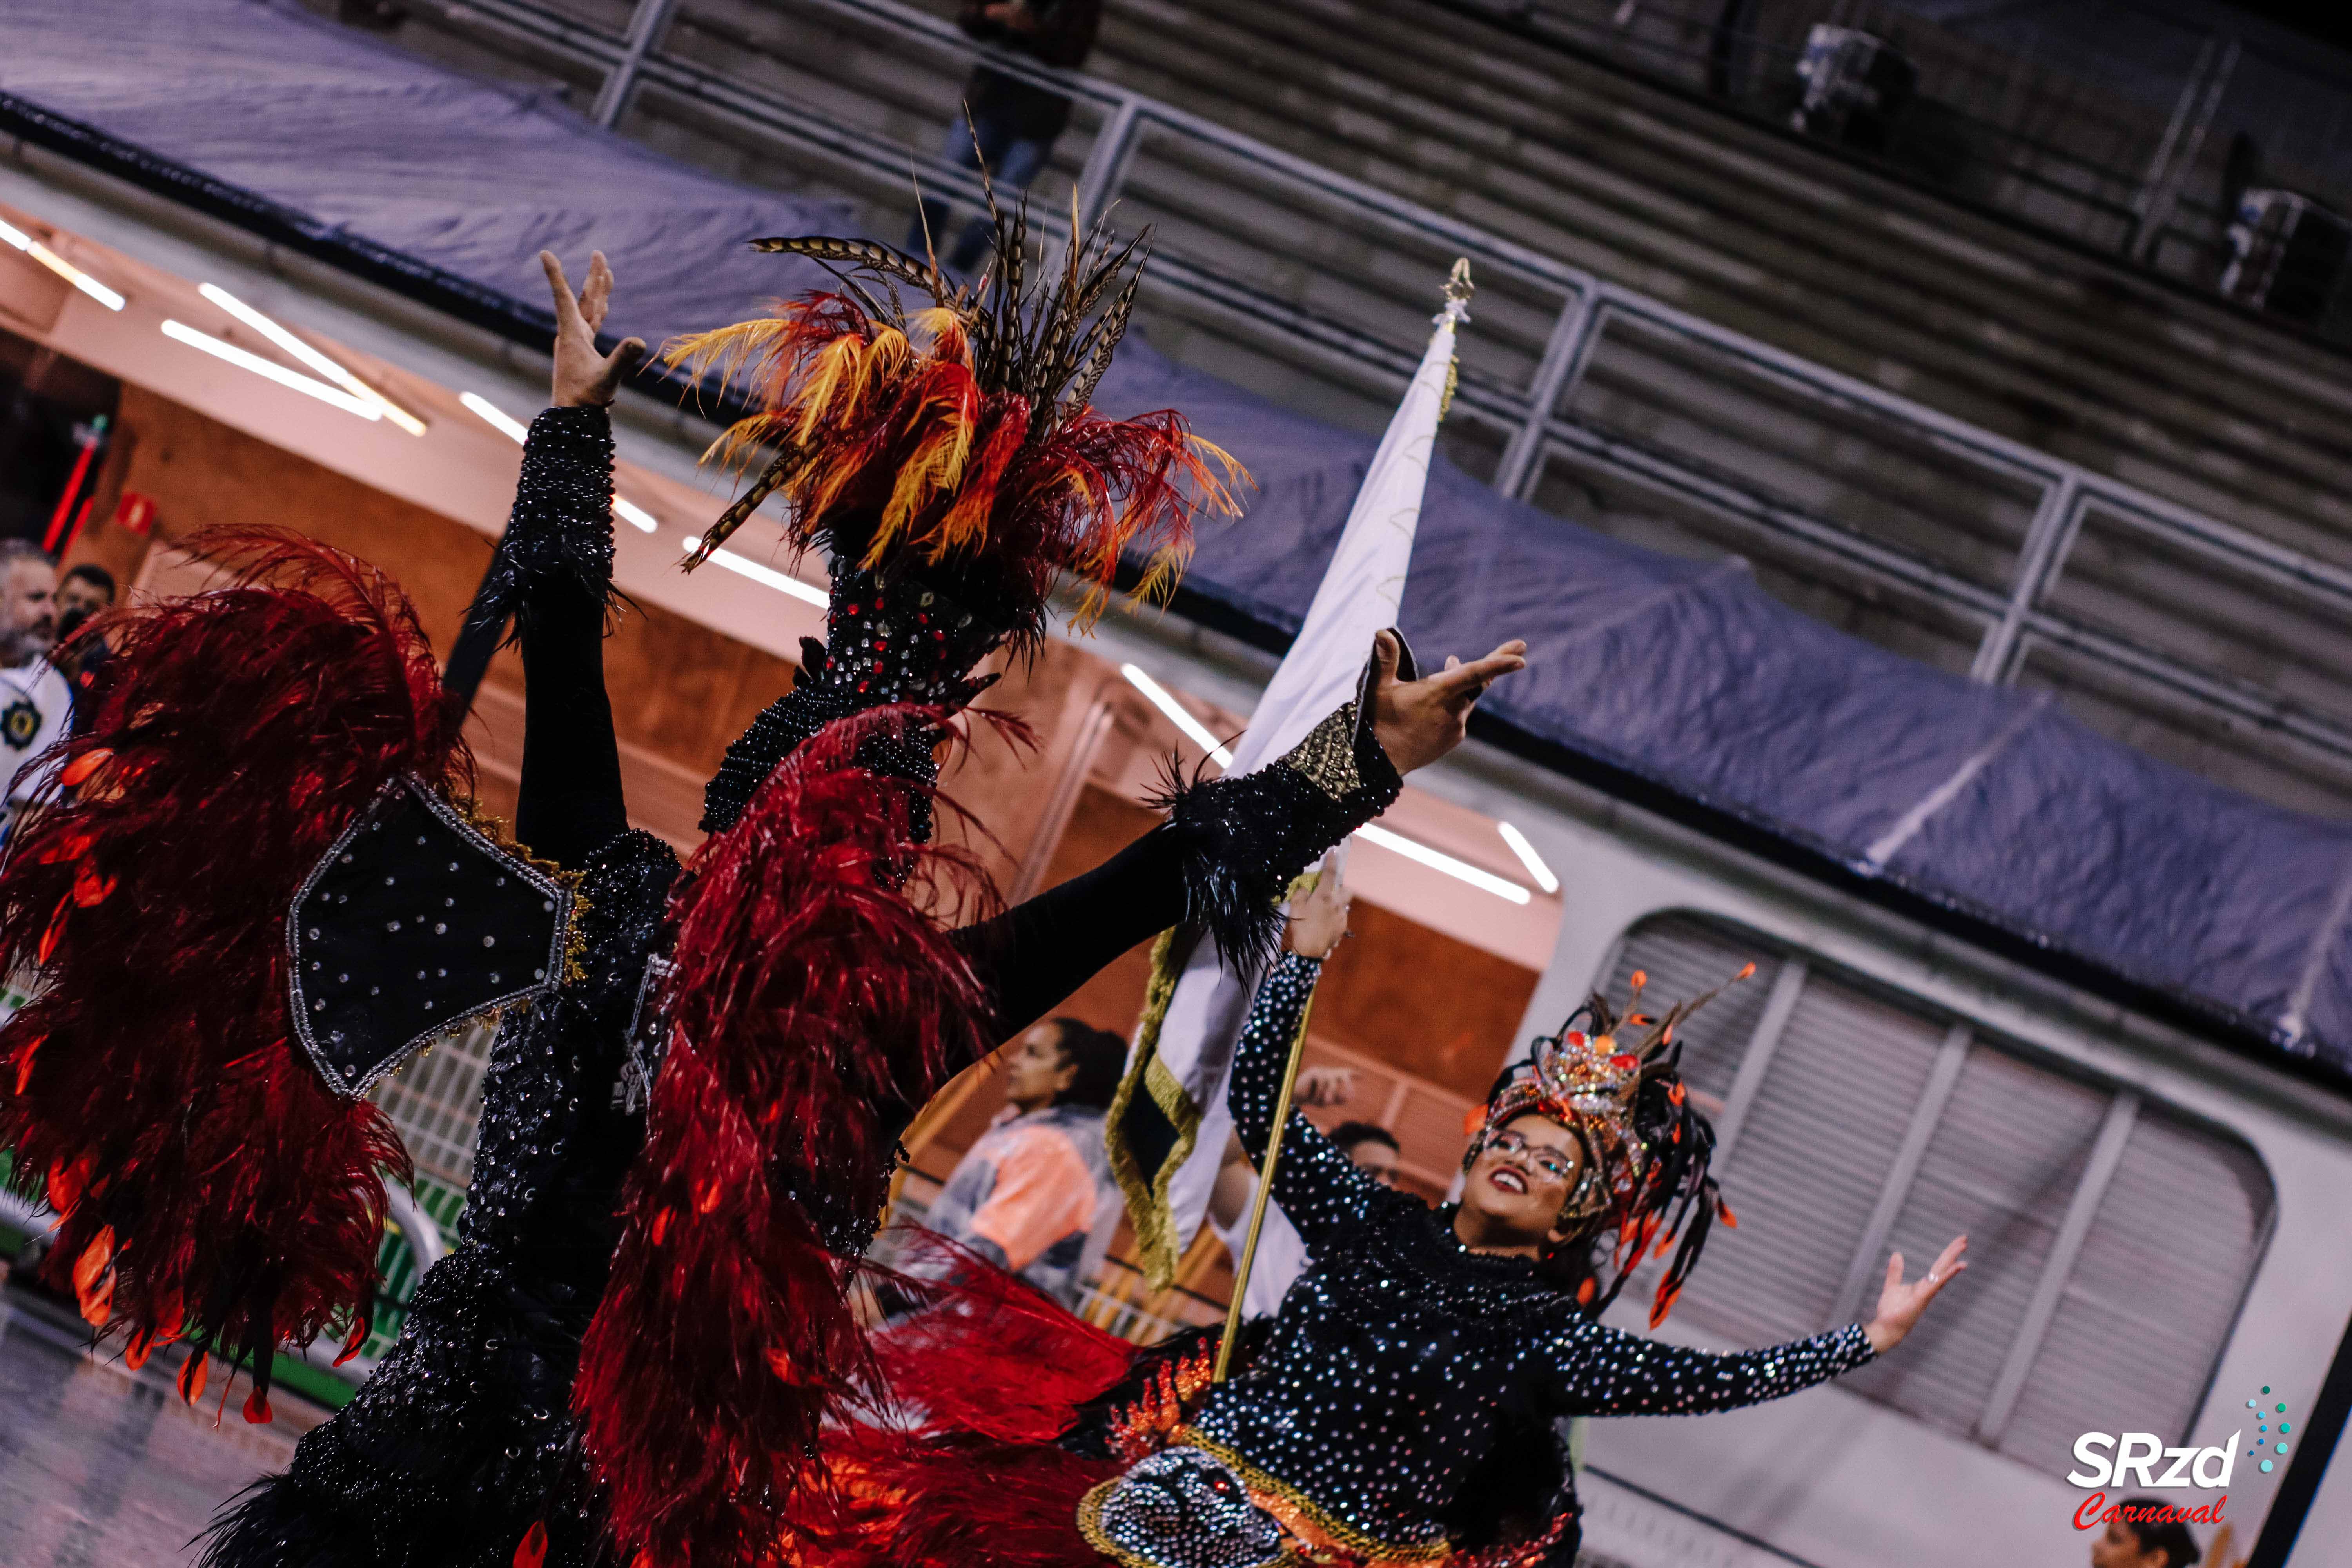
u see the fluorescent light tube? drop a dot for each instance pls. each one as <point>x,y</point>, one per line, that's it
<point>1162,699</point>
<point>1438,861</point>
<point>270,370</point>
<point>303,350</point>
<point>496,418</point>
<point>782,581</point>
<point>1528,857</point>
<point>60,266</point>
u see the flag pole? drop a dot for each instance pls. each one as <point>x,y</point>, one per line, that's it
<point>1257,1205</point>
<point>1458,292</point>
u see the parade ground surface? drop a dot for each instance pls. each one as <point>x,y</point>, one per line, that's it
<point>104,1467</point>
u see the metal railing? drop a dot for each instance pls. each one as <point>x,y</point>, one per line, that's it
<point>2127,149</point>
<point>1533,416</point>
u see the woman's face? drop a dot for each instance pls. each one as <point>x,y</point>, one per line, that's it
<point>1035,1070</point>
<point>1525,1174</point>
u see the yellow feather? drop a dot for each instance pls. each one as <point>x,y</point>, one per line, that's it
<point>946,332</point>
<point>935,466</point>
<point>884,358</point>
<point>725,349</point>
<point>835,362</point>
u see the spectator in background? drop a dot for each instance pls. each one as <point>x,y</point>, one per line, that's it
<point>1372,1147</point>
<point>84,592</point>
<point>1029,1194</point>
<point>35,700</point>
<point>1013,125</point>
<point>2128,1543</point>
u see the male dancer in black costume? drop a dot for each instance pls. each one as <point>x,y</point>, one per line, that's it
<point>461,1450</point>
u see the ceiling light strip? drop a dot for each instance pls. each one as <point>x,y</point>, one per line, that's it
<point>334,373</point>
<point>1165,700</point>
<point>782,581</point>
<point>1528,857</point>
<point>270,370</point>
<point>58,264</point>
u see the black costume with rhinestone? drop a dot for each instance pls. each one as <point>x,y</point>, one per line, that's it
<point>1401,1361</point>
<point>550,537</point>
<point>891,639</point>
<point>463,1436</point>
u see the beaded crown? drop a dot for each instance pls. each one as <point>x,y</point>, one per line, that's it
<point>1645,1147</point>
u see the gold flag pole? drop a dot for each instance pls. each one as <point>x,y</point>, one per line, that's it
<point>1258,1205</point>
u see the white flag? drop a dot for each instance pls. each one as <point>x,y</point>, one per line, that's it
<point>1359,597</point>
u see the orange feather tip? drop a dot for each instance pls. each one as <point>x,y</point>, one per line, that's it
<point>65,1185</point>
<point>193,1373</point>
<point>55,931</point>
<point>25,1061</point>
<point>77,772</point>
<point>256,1409</point>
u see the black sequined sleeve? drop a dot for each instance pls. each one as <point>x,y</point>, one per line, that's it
<point>553,571</point>
<point>1317,1186</point>
<point>1224,859</point>
<point>1599,1371</point>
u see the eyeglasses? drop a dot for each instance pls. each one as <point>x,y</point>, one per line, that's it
<point>1548,1162</point>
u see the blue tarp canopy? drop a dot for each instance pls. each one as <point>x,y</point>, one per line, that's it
<point>1679,683</point>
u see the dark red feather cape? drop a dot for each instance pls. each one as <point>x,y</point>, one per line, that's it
<point>211,1186</point>
<point>813,994</point>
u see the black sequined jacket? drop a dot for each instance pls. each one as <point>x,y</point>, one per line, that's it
<point>1401,1360</point>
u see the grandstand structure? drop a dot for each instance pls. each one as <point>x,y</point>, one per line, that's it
<point>1992,448</point>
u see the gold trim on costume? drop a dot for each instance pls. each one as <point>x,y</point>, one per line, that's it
<point>1148,1204</point>
<point>1304,1517</point>
<point>1327,757</point>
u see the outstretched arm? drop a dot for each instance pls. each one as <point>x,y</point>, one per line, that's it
<point>553,574</point>
<point>1598,1371</point>
<point>1232,845</point>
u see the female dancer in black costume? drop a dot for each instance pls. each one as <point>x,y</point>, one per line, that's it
<point>1399,1408</point>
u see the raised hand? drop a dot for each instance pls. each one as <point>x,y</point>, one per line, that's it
<point>585,378</point>
<point>1325,1088</point>
<point>1899,1305</point>
<point>1418,722</point>
<point>1318,917</point>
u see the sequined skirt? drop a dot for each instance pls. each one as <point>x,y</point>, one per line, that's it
<point>1200,1504</point>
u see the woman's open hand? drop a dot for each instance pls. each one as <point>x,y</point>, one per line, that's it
<point>1899,1305</point>
<point>585,378</point>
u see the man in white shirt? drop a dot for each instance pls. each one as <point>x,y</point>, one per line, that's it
<point>35,700</point>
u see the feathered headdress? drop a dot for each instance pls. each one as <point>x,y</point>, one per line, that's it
<point>962,433</point>
<point>1645,1147</point>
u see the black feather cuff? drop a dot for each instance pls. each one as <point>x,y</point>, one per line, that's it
<point>901,641</point>
<point>560,531</point>
<point>1247,837</point>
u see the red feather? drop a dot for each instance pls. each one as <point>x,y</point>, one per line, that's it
<point>238,732</point>
<point>811,992</point>
<point>998,1372</point>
